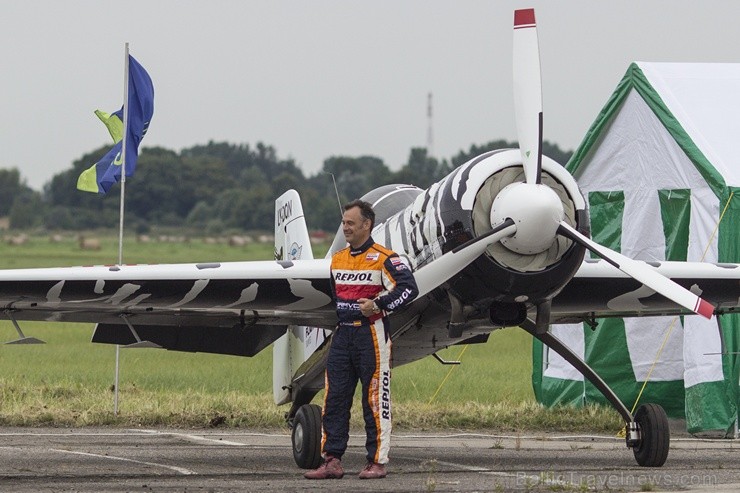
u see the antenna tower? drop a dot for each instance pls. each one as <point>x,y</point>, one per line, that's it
<point>430,132</point>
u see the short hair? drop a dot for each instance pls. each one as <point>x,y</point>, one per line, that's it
<point>366,210</point>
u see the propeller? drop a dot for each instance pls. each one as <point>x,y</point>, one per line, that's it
<point>431,276</point>
<point>636,270</point>
<point>539,219</point>
<point>528,94</point>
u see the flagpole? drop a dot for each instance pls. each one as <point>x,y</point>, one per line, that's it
<point>123,156</point>
<point>123,194</point>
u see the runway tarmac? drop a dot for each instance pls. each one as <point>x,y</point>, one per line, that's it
<point>168,460</point>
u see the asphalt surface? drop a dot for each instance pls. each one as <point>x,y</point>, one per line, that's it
<point>142,460</point>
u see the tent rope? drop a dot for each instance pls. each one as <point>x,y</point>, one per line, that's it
<point>716,227</point>
<point>448,375</point>
<point>655,362</point>
<point>673,322</point>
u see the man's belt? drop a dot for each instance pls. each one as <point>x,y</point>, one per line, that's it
<point>363,321</point>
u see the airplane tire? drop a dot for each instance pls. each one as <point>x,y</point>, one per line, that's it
<point>655,437</point>
<point>306,436</point>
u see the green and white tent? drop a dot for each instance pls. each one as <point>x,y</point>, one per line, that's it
<point>659,168</point>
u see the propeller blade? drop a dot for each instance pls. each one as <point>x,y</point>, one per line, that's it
<point>436,273</point>
<point>657,282</point>
<point>528,93</point>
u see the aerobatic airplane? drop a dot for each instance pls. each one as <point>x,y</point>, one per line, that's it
<point>499,242</point>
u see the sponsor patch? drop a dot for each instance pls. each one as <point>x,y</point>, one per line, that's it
<point>386,395</point>
<point>346,306</point>
<point>372,256</point>
<point>400,300</point>
<point>398,264</point>
<point>357,276</point>
<point>294,253</point>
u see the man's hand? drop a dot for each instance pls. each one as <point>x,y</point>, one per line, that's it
<point>367,307</point>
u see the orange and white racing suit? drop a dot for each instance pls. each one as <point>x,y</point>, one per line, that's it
<point>361,346</point>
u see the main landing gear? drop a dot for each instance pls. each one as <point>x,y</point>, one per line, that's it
<point>306,436</point>
<point>648,434</point>
<point>653,438</point>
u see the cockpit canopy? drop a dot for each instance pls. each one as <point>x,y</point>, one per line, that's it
<point>386,201</point>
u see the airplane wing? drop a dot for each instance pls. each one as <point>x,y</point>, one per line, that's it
<point>598,290</point>
<point>230,308</point>
<point>227,308</point>
<point>241,307</point>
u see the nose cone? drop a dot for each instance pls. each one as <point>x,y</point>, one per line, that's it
<point>535,209</point>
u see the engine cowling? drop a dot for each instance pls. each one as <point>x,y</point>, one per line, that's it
<point>461,206</point>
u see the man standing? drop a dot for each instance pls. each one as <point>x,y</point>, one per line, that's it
<point>368,282</point>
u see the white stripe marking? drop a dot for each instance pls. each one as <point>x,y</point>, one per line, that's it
<point>534,479</point>
<point>181,470</point>
<point>479,470</point>
<point>198,286</point>
<point>197,438</point>
<point>124,292</point>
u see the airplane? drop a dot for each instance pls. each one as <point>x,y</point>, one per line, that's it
<point>499,242</point>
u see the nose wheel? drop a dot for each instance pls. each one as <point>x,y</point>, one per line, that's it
<point>306,436</point>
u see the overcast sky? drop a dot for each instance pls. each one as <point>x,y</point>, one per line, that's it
<point>325,77</point>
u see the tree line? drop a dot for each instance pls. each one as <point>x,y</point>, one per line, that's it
<point>218,187</point>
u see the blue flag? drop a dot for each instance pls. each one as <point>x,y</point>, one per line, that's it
<point>106,172</point>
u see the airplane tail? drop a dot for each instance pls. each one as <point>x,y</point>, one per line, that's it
<point>292,242</point>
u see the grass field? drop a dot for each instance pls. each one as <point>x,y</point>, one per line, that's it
<point>69,381</point>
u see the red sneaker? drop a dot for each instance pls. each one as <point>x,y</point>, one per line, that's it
<point>330,469</point>
<point>373,470</point>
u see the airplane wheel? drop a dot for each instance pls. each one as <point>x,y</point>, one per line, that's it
<point>655,437</point>
<point>306,436</point>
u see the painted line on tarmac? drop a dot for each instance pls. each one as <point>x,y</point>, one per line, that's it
<point>71,434</point>
<point>533,479</point>
<point>195,438</point>
<point>555,438</point>
<point>181,470</point>
<point>543,438</point>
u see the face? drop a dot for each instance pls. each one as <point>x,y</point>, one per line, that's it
<point>356,228</point>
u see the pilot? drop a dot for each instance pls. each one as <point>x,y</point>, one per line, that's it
<point>368,282</point>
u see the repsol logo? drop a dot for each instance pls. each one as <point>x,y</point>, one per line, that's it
<point>284,212</point>
<point>385,395</point>
<point>353,276</point>
<point>399,301</point>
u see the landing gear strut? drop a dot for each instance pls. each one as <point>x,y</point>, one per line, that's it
<point>648,434</point>
<point>306,436</point>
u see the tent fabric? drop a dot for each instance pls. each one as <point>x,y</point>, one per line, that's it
<point>658,171</point>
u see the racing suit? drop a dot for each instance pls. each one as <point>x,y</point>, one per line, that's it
<point>361,346</point>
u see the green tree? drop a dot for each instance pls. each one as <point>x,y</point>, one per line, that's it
<point>11,187</point>
<point>421,169</point>
<point>26,211</point>
<point>201,214</point>
<point>356,176</point>
<point>156,193</point>
<point>86,210</point>
<point>220,186</point>
<point>548,149</point>
<point>463,157</point>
